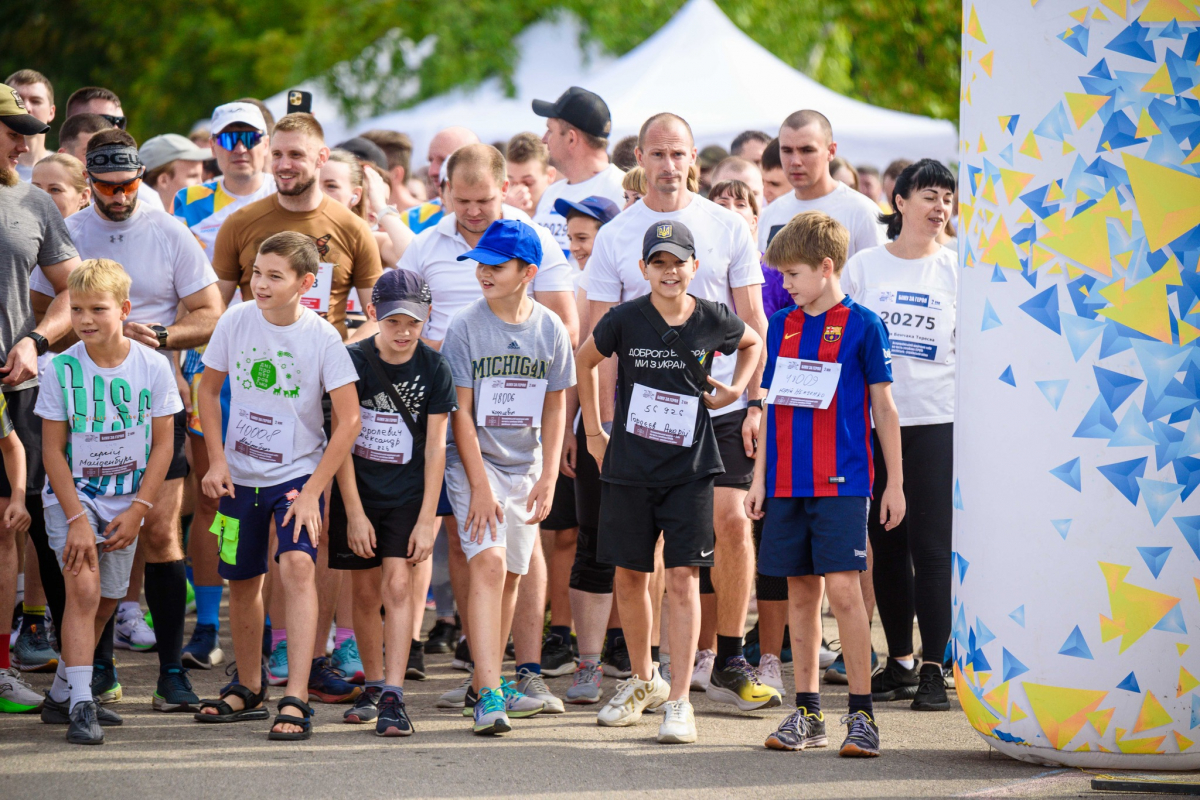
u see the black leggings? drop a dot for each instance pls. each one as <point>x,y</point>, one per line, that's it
<point>912,561</point>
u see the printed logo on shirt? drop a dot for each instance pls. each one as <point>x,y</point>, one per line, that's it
<point>836,479</point>
<point>276,372</point>
<point>887,356</point>
<point>323,245</point>
<point>860,553</point>
<point>832,333</point>
<point>513,345</point>
<point>508,366</point>
<point>116,237</point>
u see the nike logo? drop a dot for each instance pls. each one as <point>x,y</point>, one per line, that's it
<point>704,554</point>
<point>790,335</point>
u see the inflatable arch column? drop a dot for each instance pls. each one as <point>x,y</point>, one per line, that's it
<point>1076,636</point>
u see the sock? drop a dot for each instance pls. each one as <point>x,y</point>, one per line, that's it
<point>104,645</point>
<point>166,595</point>
<point>530,666</point>
<point>129,607</point>
<point>79,681</point>
<point>278,635</point>
<point>589,658</point>
<point>810,702</point>
<point>341,635</point>
<point>190,575</point>
<point>208,605</point>
<point>664,660</point>
<point>862,702</point>
<point>379,684</point>
<point>907,663</point>
<point>399,690</point>
<point>60,691</point>
<point>31,615</point>
<point>562,631</point>
<point>5,663</point>
<point>654,652</point>
<point>728,647</point>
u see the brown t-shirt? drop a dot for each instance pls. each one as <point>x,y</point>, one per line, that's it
<point>343,240</point>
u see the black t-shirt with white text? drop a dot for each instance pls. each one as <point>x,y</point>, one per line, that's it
<point>643,359</point>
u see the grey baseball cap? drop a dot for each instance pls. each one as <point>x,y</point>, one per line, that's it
<point>162,150</point>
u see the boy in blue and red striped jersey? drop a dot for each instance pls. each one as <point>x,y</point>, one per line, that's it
<point>828,373</point>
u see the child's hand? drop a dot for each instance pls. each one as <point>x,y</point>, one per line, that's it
<point>597,445</point>
<point>305,511</point>
<point>755,501</point>
<point>123,531</point>
<point>16,516</point>
<point>420,541</point>
<point>360,535</point>
<point>722,397</point>
<point>540,499</point>
<point>570,450</point>
<point>891,507</point>
<point>81,546</point>
<point>218,482</point>
<point>484,513</point>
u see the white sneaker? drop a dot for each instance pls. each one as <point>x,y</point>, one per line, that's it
<point>132,632</point>
<point>532,684</point>
<point>825,657</point>
<point>329,643</point>
<point>703,669</point>
<point>632,698</point>
<point>17,696</point>
<point>457,697</point>
<point>770,672</point>
<point>679,723</point>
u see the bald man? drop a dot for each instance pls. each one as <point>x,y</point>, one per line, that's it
<point>444,143</point>
<point>740,169</point>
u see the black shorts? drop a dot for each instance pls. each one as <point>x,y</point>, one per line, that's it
<point>587,573</point>
<point>587,484</point>
<point>179,462</point>
<point>739,470</point>
<point>393,527</point>
<point>632,516</point>
<point>562,510</point>
<point>28,428</point>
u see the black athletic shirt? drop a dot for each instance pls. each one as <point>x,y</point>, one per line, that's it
<point>643,358</point>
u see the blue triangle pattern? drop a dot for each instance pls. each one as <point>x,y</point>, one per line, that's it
<point>1044,308</point>
<point>1062,526</point>
<point>1076,646</point>
<point>1155,558</point>
<point>1053,391</point>
<point>1130,684</point>
<point>1195,723</point>
<point>1172,621</point>
<point>998,275</point>
<point>990,318</point>
<point>1081,332</point>
<point>1190,528</point>
<point>1133,42</point>
<point>1018,615</point>
<point>1010,666</point>
<point>1068,473</point>
<point>962,568</point>
<point>1007,376</point>
<point>985,636</point>
<point>1124,476</point>
<point>1115,387</point>
<point>1076,38</point>
<point>1160,361</point>
<point>1159,496</point>
<point>958,504</point>
<point>1097,423</point>
<point>1187,472</point>
<point>960,632</point>
<point>1133,431</point>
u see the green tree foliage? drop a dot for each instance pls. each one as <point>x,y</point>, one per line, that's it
<point>171,62</point>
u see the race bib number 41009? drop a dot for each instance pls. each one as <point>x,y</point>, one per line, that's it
<point>662,416</point>
<point>804,384</point>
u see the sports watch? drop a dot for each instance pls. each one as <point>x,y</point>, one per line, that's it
<point>756,403</point>
<point>161,333</point>
<point>41,343</point>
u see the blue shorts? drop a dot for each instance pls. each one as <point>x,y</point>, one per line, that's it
<point>243,528</point>
<point>444,508</point>
<point>814,536</point>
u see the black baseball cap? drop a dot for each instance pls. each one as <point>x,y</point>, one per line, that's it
<point>400,291</point>
<point>581,108</point>
<point>671,236</point>
<point>365,150</point>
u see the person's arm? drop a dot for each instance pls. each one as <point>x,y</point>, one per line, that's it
<point>368,328</point>
<point>16,516</point>
<point>485,511</point>
<point>347,423</point>
<point>562,304</point>
<point>587,363</point>
<point>755,499</point>
<point>193,329</point>
<point>360,533</point>
<point>80,550</point>
<point>748,363</point>
<point>570,446</point>
<point>398,235</point>
<point>123,530</point>
<point>21,364</point>
<point>608,370</point>
<point>227,288</point>
<point>420,542</point>
<point>553,423</point>
<point>217,482</point>
<point>887,427</point>
<point>749,304</point>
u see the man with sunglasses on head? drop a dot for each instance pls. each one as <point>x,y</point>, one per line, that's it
<point>168,269</point>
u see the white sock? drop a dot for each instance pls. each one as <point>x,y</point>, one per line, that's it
<point>664,660</point>
<point>128,607</point>
<point>59,692</point>
<point>79,679</point>
<point>907,663</point>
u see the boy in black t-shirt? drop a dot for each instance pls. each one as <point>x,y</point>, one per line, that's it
<point>658,469</point>
<point>389,488</point>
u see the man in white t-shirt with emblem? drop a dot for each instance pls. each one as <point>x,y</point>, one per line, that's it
<point>577,128</point>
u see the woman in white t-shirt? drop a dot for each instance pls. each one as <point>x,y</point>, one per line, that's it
<point>911,283</point>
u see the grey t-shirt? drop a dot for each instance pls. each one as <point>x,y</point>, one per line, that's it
<point>480,347</point>
<point>32,233</point>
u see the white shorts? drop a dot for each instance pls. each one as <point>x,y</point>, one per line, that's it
<point>114,566</point>
<point>511,490</point>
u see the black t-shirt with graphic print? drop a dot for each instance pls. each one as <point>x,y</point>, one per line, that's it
<point>644,359</point>
<point>426,386</point>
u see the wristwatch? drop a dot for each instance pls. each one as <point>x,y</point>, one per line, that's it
<point>756,403</point>
<point>40,342</point>
<point>161,333</point>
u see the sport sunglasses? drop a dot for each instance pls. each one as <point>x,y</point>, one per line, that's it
<point>116,120</point>
<point>228,140</point>
<point>110,188</point>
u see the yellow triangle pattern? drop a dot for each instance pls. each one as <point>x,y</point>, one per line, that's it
<point>977,713</point>
<point>1014,183</point>
<point>1144,308</point>
<point>1167,10</point>
<point>1146,126</point>
<point>989,192</point>
<point>1182,741</point>
<point>1152,715</point>
<point>982,145</point>
<point>1159,83</point>
<point>1067,147</point>
<point>1180,646</point>
<point>1062,712</point>
<point>1168,200</point>
<point>1144,746</point>
<point>1026,218</point>
<point>1080,14</point>
<point>998,698</point>
<point>1187,335</point>
<point>974,28</point>
<point>1115,6</point>
<point>1055,193</point>
<point>1030,147</point>
<point>985,62</point>
<point>1084,237</point>
<point>1084,106</point>
<point>1100,719</point>
<point>1194,158</point>
<point>1186,683</point>
<point>1018,713</point>
<point>1135,610</point>
<point>1000,248</point>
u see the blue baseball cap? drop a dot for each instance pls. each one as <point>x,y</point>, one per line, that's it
<point>399,291</point>
<point>505,239</point>
<point>598,208</point>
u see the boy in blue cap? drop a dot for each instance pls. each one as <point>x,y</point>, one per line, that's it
<point>512,361</point>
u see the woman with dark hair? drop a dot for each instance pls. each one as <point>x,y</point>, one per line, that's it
<point>912,284</point>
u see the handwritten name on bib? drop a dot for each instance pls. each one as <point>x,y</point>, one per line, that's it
<point>102,454</point>
<point>384,438</point>
<point>804,384</point>
<point>510,402</point>
<point>260,436</point>
<point>662,416</point>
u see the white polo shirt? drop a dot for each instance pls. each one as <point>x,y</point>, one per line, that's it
<point>434,254</point>
<point>606,183</point>
<point>851,208</point>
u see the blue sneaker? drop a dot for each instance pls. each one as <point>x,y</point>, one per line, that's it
<point>325,684</point>
<point>277,664</point>
<point>393,719</point>
<point>490,716</point>
<point>203,651</point>
<point>174,691</point>
<point>33,651</point>
<point>105,686</point>
<point>837,670</point>
<point>347,661</point>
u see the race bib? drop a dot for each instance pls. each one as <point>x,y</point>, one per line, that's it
<point>662,416</point>
<point>803,384</point>
<point>317,298</point>
<point>510,402</point>
<point>260,436</point>
<point>384,438</point>
<point>920,323</point>
<point>102,454</point>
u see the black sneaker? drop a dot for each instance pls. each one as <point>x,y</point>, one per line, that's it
<point>105,687</point>
<point>616,659</point>
<point>415,671</point>
<point>393,718</point>
<point>462,656</point>
<point>931,693</point>
<point>58,714</point>
<point>510,651</point>
<point>469,702</point>
<point>557,658</point>
<point>799,731</point>
<point>366,707</point>
<point>442,638</point>
<point>174,691</point>
<point>84,727</point>
<point>862,736</point>
<point>894,682</point>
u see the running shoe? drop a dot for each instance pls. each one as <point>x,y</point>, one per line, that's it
<point>277,664</point>
<point>738,685</point>
<point>325,684</point>
<point>33,651</point>
<point>770,672</point>
<point>415,670</point>
<point>393,718</point>
<point>948,673</point>
<point>456,697</point>
<point>585,688</point>
<point>16,695</point>
<point>331,640</point>
<point>55,713</point>
<point>462,656</point>
<point>517,704</point>
<point>895,682</point>
<point>174,691</point>
<point>203,651</point>
<point>837,670</point>
<point>616,659</point>
<point>532,684</point>
<point>557,658</point>
<point>799,731</point>
<point>510,651</point>
<point>751,647</point>
<point>679,723</point>
<point>190,602</point>
<point>105,687</point>
<point>132,632</point>
<point>489,713</point>
<point>702,672</point>
<point>84,727</point>
<point>862,736</point>
<point>632,698</point>
<point>347,662</point>
<point>366,707</point>
<point>443,636</point>
<point>825,656</point>
<point>931,692</point>
<point>266,641</point>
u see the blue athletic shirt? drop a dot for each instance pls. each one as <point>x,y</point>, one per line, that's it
<point>826,453</point>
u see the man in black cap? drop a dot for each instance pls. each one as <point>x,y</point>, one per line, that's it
<point>577,128</point>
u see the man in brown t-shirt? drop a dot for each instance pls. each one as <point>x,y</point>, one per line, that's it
<point>349,255</point>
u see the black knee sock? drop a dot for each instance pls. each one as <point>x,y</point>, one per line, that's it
<point>727,647</point>
<point>654,652</point>
<point>810,702</point>
<point>862,702</point>
<point>166,595</point>
<point>104,647</point>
